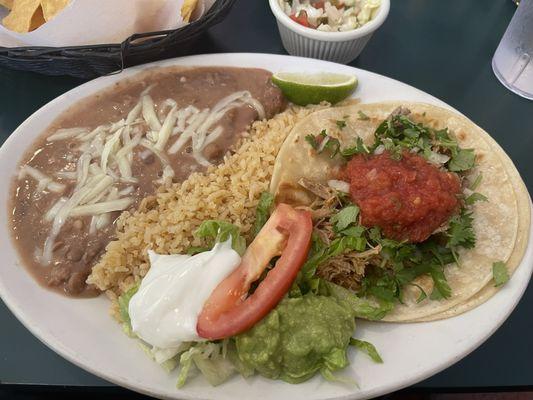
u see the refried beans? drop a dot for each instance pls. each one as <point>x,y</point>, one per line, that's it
<point>108,152</point>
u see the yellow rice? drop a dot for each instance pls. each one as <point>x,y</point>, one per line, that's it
<point>165,222</point>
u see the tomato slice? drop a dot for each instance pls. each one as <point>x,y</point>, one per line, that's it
<point>301,18</point>
<point>229,310</point>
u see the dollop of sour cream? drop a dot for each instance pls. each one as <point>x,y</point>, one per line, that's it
<point>165,309</point>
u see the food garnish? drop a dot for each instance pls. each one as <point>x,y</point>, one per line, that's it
<point>332,15</point>
<point>499,273</point>
<point>229,311</point>
<point>367,245</point>
<point>304,89</point>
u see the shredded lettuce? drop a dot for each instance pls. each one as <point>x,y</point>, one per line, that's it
<point>263,210</point>
<point>213,231</point>
<point>211,359</point>
<point>367,348</point>
<point>123,304</point>
<point>367,308</point>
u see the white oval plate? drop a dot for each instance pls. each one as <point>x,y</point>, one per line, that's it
<point>83,332</point>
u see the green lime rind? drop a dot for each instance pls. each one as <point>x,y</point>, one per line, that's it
<point>306,93</point>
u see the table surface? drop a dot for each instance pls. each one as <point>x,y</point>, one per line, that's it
<point>441,47</point>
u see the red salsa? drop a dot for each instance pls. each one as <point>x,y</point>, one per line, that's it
<point>407,198</point>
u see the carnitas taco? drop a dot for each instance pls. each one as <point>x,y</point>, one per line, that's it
<point>414,206</point>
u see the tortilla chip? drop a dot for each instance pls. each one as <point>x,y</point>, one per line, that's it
<point>187,9</point>
<point>52,7</point>
<point>7,4</point>
<point>25,16</point>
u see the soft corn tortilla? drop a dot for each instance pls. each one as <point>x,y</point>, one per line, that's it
<point>522,239</point>
<point>501,224</point>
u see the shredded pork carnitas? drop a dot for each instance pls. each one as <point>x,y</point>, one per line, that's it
<point>348,268</point>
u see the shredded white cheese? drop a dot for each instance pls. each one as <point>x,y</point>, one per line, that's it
<point>104,164</point>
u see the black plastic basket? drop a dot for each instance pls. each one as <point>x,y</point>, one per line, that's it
<point>91,61</point>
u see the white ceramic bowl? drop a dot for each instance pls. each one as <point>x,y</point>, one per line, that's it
<point>341,47</point>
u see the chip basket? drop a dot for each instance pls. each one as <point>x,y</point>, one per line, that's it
<point>89,62</point>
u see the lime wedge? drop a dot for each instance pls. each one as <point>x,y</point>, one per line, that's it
<point>306,89</point>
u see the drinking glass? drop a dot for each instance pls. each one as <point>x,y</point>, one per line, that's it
<point>513,61</point>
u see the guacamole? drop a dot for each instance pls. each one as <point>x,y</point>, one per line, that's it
<point>300,337</point>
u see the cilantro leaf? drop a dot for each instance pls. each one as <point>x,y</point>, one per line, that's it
<point>462,160</point>
<point>341,124</point>
<point>312,141</point>
<point>323,142</point>
<point>440,282</point>
<point>355,231</point>
<point>499,273</point>
<point>367,348</point>
<point>262,212</point>
<point>345,217</point>
<point>476,182</point>
<point>423,295</point>
<point>461,232</point>
<point>474,197</point>
<point>362,116</point>
<point>384,293</point>
<point>358,148</point>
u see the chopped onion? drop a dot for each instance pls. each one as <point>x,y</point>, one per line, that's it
<point>323,144</point>
<point>339,186</point>
<point>438,158</point>
<point>379,150</point>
